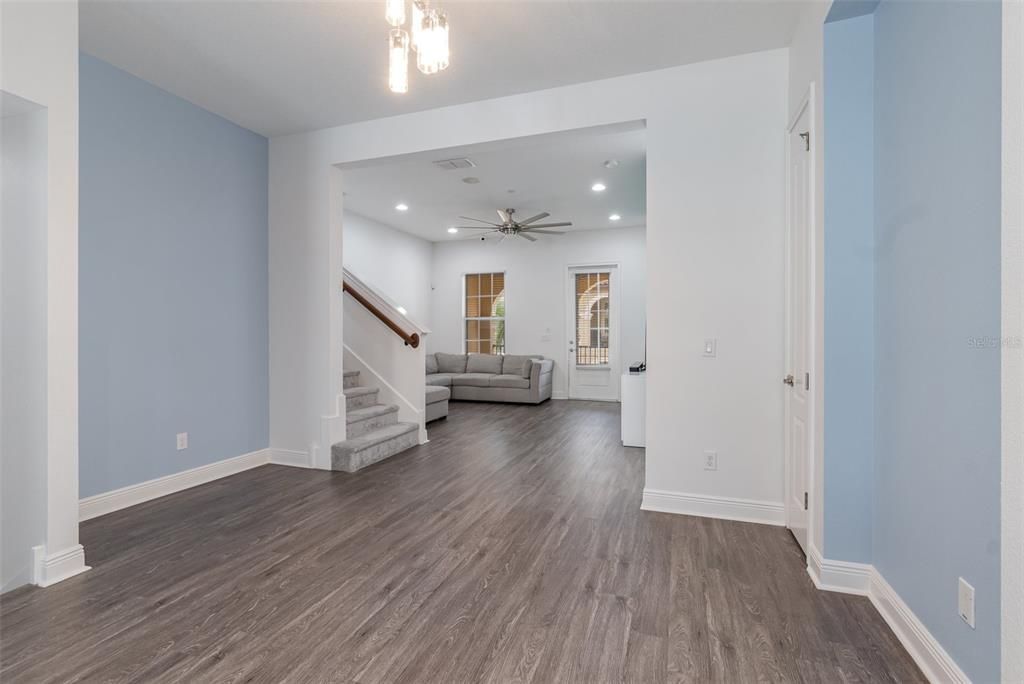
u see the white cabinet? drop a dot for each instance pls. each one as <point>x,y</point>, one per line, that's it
<point>634,409</point>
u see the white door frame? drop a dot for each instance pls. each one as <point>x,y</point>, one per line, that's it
<point>807,105</point>
<point>615,360</point>
<point>1012,356</point>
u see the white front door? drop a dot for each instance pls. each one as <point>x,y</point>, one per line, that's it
<point>593,313</point>
<point>798,330</point>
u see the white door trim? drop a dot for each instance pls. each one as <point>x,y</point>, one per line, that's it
<point>807,105</point>
<point>1012,353</point>
<point>615,365</point>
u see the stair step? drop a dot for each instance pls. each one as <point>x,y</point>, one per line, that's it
<point>360,397</point>
<point>365,420</point>
<point>350,379</point>
<point>359,452</point>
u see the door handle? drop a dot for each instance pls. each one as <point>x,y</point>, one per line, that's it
<point>788,380</point>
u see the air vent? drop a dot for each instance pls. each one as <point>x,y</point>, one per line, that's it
<point>451,164</point>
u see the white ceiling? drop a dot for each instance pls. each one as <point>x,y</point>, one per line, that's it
<point>552,173</point>
<point>284,66</point>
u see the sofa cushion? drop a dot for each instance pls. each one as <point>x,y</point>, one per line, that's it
<point>439,379</point>
<point>472,379</point>
<point>451,363</point>
<point>431,364</point>
<point>511,381</point>
<point>516,365</point>
<point>435,394</point>
<point>484,363</point>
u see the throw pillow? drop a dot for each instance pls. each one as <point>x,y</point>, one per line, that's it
<point>451,363</point>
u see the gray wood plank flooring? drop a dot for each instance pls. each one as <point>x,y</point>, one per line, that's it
<point>511,548</point>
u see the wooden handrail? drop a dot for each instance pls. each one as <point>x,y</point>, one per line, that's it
<point>411,339</point>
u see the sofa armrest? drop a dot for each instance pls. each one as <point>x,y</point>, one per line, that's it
<point>538,369</point>
<point>541,380</point>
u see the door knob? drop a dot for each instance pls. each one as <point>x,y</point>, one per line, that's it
<point>788,380</point>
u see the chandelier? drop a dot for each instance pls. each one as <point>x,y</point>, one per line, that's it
<point>428,38</point>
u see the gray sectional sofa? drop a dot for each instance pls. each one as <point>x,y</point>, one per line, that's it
<point>436,403</point>
<point>489,377</point>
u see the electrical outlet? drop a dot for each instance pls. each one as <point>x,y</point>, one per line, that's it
<point>710,347</point>
<point>182,440</point>
<point>965,597</point>
<point>710,460</point>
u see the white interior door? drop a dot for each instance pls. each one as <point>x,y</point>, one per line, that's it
<point>798,330</point>
<point>593,334</point>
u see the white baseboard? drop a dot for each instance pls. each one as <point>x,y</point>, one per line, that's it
<point>865,580</point>
<point>841,576</point>
<point>743,510</point>
<point>108,502</point>
<point>288,457</point>
<point>57,567</point>
<point>935,663</point>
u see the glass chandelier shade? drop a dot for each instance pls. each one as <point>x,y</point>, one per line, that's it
<point>419,13</point>
<point>394,12</point>
<point>427,36</point>
<point>433,54</point>
<point>398,61</point>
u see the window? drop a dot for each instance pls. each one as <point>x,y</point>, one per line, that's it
<point>484,313</point>
<point>592,297</point>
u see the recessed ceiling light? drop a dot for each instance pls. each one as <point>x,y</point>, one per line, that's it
<point>614,217</point>
<point>401,310</point>
<point>402,206</point>
<point>611,163</point>
<point>453,230</point>
<point>598,187</point>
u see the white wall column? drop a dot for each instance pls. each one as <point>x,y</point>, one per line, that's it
<point>40,64</point>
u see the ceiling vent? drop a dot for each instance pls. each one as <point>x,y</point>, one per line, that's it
<point>452,164</point>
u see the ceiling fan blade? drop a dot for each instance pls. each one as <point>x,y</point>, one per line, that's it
<point>544,232</point>
<point>470,218</point>
<point>538,217</point>
<point>548,225</point>
<point>475,227</point>
<point>503,215</point>
<point>527,236</point>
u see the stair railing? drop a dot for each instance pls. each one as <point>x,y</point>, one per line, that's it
<point>387,313</point>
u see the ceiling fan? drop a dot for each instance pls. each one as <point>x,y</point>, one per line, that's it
<point>510,227</point>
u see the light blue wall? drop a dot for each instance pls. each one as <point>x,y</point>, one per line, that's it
<point>937,285</point>
<point>173,283</point>
<point>849,287</point>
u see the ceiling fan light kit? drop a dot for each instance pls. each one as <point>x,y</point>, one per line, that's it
<point>428,39</point>
<point>511,227</point>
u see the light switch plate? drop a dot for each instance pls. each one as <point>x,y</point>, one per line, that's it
<point>710,347</point>
<point>182,440</point>
<point>965,596</point>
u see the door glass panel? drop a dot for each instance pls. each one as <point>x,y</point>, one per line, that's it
<point>593,311</point>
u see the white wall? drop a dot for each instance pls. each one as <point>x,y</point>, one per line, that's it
<point>715,227</point>
<point>39,63</point>
<point>22,343</point>
<point>535,290</point>
<point>390,261</point>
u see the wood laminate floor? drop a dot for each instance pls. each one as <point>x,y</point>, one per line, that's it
<point>511,548</point>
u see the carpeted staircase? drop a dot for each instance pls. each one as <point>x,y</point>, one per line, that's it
<point>373,430</point>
